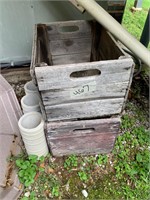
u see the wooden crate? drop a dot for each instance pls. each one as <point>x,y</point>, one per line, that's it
<point>80,69</point>
<point>82,137</point>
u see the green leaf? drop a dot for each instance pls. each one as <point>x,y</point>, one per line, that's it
<point>41,169</point>
<point>32,194</point>
<point>24,198</point>
<point>41,159</point>
<point>28,182</point>
<point>21,173</point>
<point>139,157</point>
<point>24,166</point>
<point>33,158</point>
<point>55,191</point>
<point>27,163</point>
<point>83,176</point>
<point>133,172</point>
<point>19,163</point>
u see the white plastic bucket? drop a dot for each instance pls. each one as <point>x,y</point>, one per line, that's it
<point>31,127</point>
<point>30,88</point>
<point>30,102</point>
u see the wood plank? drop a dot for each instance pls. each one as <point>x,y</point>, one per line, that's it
<point>40,48</point>
<point>45,54</point>
<point>102,39</point>
<point>54,97</point>
<point>76,29</point>
<point>128,87</point>
<point>71,58</point>
<point>108,47</point>
<point>111,72</point>
<point>34,54</point>
<point>98,144</point>
<point>82,127</point>
<point>70,46</point>
<point>16,75</point>
<point>73,138</point>
<point>84,109</point>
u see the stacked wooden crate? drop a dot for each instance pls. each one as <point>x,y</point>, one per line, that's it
<point>83,77</point>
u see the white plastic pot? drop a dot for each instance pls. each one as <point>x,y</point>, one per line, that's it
<point>30,102</point>
<point>31,127</point>
<point>30,88</point>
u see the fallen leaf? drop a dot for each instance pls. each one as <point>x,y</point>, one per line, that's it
<point>20,186</point>
<point>36,176</point>
<point>42,165</point>
<point>46,192</point>
<point>49,170</point>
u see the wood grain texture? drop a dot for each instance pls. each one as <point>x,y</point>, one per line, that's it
<point>104,46</point>
<point>55,97</point>
<point>71,58</point>
<point>70,46</point>
<point>17,75</point>
<point>55,30</point>
<point>82,137</point>
<point>84,109</point>
<point>34,54</point>
<point>111,71</point>
<point>67,42</point>
<point>109,50</point>
<point>68,128</point>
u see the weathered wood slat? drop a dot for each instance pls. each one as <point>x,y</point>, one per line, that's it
<point>74,29</point>
<point>114,90</point>
<point>109,50</point>
<point>70,46</point>
<point>82,145</point>
<point>71,58</point>
<point>101,39</point>
<point>83,137</point>
<point>82,127</point>
<point>111,71</point>
<point>85,109</point>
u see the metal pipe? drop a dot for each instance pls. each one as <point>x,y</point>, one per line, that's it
<point>116,29</point>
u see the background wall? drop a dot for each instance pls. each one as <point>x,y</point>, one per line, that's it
<point>17,19</point>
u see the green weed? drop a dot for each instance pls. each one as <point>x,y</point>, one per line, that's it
<point>70,162</point>
<point>131,162</point>
<point>55,191</point>
<point>27,169</point>
<point>83,176</point>
<point>102,159</point>
<point>134,21</point>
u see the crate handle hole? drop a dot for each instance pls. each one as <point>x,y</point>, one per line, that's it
<point>85,73</point>
<point>65,29</point>
<point>84,130</point>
